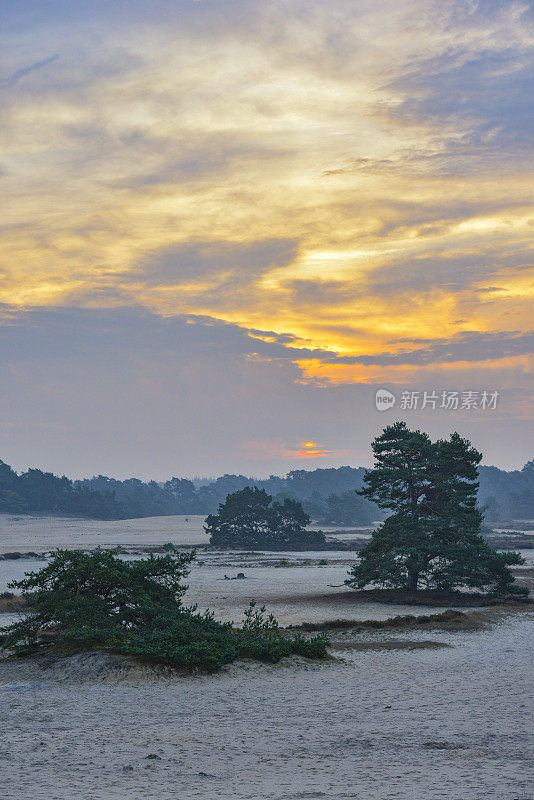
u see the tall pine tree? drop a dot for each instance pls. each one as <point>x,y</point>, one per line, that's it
<point>432,539</point>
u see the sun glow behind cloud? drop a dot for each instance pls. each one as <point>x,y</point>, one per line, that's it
<point>267,449</point>
<point>311,450</point>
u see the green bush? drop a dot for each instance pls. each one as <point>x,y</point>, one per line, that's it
<point>83,601</point>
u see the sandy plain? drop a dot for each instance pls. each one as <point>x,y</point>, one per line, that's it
<point>434,715</point>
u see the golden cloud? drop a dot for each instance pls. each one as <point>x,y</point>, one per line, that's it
<point>330,131</point>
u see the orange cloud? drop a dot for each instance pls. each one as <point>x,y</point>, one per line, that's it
<point>313,453</point>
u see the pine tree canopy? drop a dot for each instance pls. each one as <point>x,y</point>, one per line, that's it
<point>432,538</point>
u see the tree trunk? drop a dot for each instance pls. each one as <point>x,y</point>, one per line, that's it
<point>413,579</point>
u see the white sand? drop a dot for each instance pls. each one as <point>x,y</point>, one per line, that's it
<point>25,533</point>
<point>449,724</point>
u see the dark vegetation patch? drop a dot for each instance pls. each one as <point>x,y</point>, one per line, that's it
<point>390,644</point>
<point>450,620</point>
<point>443,745</point>
<point>509,540</point>
<point>422,597</point>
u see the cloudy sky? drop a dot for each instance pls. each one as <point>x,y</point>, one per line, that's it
<point>225,224</point>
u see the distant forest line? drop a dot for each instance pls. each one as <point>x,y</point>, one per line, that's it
<point>327,495</point>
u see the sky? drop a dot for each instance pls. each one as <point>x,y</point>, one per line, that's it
<point>226,224</point>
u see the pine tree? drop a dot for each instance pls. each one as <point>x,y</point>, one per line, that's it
<point>432,539</point>
<point>250,519</point>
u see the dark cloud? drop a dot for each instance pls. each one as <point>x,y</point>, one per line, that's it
<point>98,334</point>
<point>457,272</point>
<point>44,334</point>
<point>19,74</point>
<point>229,263</point>
<point>468,346</point>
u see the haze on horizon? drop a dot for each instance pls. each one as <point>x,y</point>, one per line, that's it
<point>227,224</point>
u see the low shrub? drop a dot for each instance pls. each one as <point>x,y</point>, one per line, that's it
<point>83,601</point>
